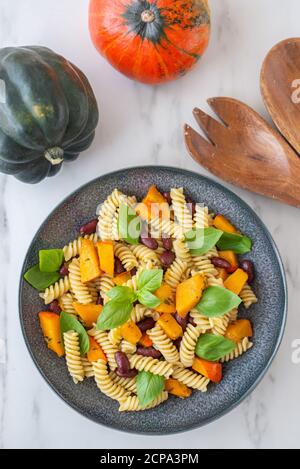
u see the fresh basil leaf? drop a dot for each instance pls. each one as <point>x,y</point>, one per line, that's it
<point>150,280</point>
<point>51,259</point>
<point>149,387</point>
<point>200,241</point>
<point>122,294</point>
<point>213,347</point>
<point>216,301</point>
<point>129,225</point>
<point>147,298</point>
<point>235,242</point>
<point>114,314</point>
<point>69,323</point>
<point>40,280</point>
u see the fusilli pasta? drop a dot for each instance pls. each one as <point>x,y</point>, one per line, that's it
<point>162,343</point>
<point>80,291</point>
<point>190,379</point>
<point>188,344</point>
<point>131,403</point>
<point>241,347</point>
<point>73,358</point>
<point>106,384</point>
<point>248,296</point>
<point>57,290</point>
<point>161,368</point>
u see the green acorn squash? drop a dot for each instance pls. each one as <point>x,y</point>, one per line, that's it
<point>48,112</point>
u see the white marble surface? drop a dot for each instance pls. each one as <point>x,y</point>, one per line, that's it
<point>143,125</point>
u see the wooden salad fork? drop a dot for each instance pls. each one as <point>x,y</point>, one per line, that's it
<point>280,88</point>
<point>245,150</point>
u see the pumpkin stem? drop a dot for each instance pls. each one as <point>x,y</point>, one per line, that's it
<point>148,16</point>
<point>54,155</point>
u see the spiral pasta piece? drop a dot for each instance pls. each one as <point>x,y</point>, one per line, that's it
<point>144,254</point>
<point>80,291</point>
<point>200,320</point>
<point>175,272</point>
<point>182,251</point>
<point>140,312</point>
<point>190,379</point>
<point>219,325</point>
<point>233,315</point>
<point>241,347</point>
<point>127,383</point>
<point>66,303</point>
<point>57,290</point>
<point>107,213</point>
<point>214,281</point>
<point>88,368</point>
<point>203,264</point>
<point>73,249</point>
<point>127,347</point>
<point>162,343</point>
<point>181,210</point>
<point>201,217</point>
<point>131,403</point>
<point>108,348</point>
<point>188,345</point>
<point>157,367</point>
<point>248,296</point>
<point>106,384</point>
<point>94,291</point>
<point>105,285</point>
<point>73,358</point>
<point>125,255</point>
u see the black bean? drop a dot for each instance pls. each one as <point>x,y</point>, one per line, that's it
<point>64,270</point>
<point>149,242</point>
<point>167,258</point>
<point>167,243</point>
<point>183,322</point>
<point>122,362</point>
<point>248,267</point>
<point>148,352</point>
<point>119,269</point>
<point>126,374</point>
<point>221,263</point>
<point>54,307</point>
<point>89,228</point>
<point>146,324</point>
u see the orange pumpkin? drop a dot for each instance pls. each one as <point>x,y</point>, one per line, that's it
<point>152,41</point>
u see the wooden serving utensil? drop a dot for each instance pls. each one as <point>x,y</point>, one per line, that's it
<point>245,150</point>
<point>280,88</point>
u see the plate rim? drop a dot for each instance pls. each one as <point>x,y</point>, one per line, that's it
<point>259,378</point>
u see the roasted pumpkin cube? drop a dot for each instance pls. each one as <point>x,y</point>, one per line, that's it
<point>188,294</point>
<point>236,281</point>
<point>95,352</point>
<point>173,386</point>
<point>50,324</point>
<point>88,313</point>
<point>89,261</point>
<point>170,326</point>
<point>239,329</point>
<point>210,370</point>
<point>230,257</point>
<point>122,278</point>
<point>106,257</point>
<point>131,332</point>
<point>221,223</point>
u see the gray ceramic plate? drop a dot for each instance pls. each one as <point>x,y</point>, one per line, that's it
<point>240,376</point>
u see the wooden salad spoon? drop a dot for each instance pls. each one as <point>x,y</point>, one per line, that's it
<point>245,150</point>
<point>280,88</point>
